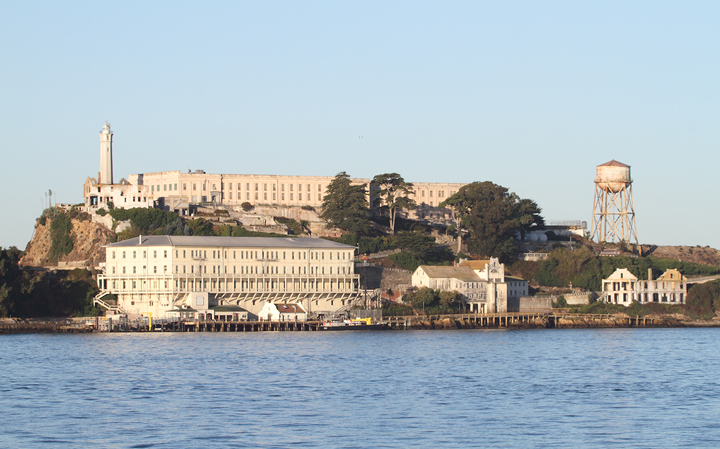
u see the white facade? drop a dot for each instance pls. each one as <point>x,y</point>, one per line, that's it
<point>623,287</point>
<point>483,284</point>
<point>156,274</point>
<point>282,312</point>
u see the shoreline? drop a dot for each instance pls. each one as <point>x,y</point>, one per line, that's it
<point>461,322</point>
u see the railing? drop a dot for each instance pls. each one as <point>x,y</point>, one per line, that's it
<point>97,300</point>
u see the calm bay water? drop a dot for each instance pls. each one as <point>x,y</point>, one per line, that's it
<point>645,388</point>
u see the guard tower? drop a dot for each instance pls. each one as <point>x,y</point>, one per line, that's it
<point>613,209</point>
<point>106,166</point>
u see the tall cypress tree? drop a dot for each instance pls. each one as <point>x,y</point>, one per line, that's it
<point>345,206</point>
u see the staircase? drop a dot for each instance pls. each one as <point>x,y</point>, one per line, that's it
<point>98,300</point>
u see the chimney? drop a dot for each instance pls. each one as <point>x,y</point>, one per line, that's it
<point>140,240</point>
<point>649,274</point>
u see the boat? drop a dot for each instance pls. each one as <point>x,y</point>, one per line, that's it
<point>356,324</point>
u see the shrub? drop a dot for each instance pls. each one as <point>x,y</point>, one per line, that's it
<point>394,309</point>
<point>703,300</point>
<point>61,237</point>
<point>246,206</point>
<point>295,227</point>
<point>101,212</point>
<point>406,261</point>
<point>147,220</point>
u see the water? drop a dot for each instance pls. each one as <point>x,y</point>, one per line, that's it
<point>644,388</point>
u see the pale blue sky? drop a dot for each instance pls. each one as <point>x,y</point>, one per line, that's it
<point>529,95</point>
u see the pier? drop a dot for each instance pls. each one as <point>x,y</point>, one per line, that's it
<point>511,320</point>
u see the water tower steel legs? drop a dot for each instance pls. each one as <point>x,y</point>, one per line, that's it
<point>614,216</point>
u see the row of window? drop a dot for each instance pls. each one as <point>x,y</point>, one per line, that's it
<point>216,269</point>
<point>619,286</point>
<point>440,193</point>
<point>235,285</point>
<point>256,187</point>
<point>256,255</point>
<point>262,254</point>
<point>645,297</point>
<point>134,254</point>
<point>166,187</point>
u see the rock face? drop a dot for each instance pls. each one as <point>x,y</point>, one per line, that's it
<point>87,251</point>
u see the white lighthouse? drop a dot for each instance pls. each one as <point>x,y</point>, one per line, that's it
<point>106,169</point>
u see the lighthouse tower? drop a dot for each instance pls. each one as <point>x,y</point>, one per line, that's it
<point>106,169</point>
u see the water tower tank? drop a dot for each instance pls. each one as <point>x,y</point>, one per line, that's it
<point>613,176</point>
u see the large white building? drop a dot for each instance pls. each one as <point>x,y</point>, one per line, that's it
<point>482,283</point>
<point>161,275</point>
<point>177,190</point>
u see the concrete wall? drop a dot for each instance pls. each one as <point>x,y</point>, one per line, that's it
<point>530,304</point>
<point>577,299</point>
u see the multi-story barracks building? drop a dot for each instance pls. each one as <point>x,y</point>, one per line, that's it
<point>170,275</point>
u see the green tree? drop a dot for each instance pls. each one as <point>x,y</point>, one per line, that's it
<point>200,226</point>
<point>448,299</point>
<point>422,297</point>
<point>493,216</point>
<point>393,193</point>
<point>417,244</point>
<point>345,206</point>
<point>11,279</point>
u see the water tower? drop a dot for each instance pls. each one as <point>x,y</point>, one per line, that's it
<point>613,209</point>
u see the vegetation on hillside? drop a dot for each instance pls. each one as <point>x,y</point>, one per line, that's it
<point>62,239</point>
<point>585,270</point>
<point>26,293</point>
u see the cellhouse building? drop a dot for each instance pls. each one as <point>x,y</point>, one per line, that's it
<point>167,276</point>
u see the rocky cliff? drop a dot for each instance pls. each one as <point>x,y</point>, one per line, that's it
<point>88,240</point>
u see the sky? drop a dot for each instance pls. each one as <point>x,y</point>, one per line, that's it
<point>529,95</point>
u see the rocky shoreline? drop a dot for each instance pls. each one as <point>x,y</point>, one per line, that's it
<point>567,321</point>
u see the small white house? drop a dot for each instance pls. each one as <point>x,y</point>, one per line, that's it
<point>283,312</point>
